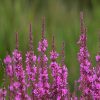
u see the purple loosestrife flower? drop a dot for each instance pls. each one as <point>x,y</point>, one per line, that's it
<point>98,65</point>
<point>42,87</point>
<point>62,92</point>
<point>32,83</point>
<point>3,93</point>
<point>42,90</point>
<point>14,86</point>
<point>96,79</point>
<point>85,64</point>
<point>19,71</point>
<point>61,79</point>
<point>55,68</point>
<point>45,59</point>
<point>31,68</point>
<point>97,58</point>
<point>10,74</point>
<point>43,45</point>
<point>63,73</point>
<point>9,68</point>
<point>54,55</point>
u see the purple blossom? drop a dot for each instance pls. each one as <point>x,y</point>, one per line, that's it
<point>43,44</point>
<point>8,59</point>
<point>17,97</point>
<point>53,54</point>
<point>3,94</point>
<point>17,60</point>
<point>14,85</point>
<point>59,73</point>
<point>85,64</point>
<point>9,67</point>
<point>31,69</point>
<point>19,72</point>
<point>96,80</point>
<point>56,79</point>
<point>42,87</point>
<point>10,73</point>
<point>44,57</point>
<point>62,83</point>
<point>98,58</point>
<point>32,81</point>
<point>30,56</point>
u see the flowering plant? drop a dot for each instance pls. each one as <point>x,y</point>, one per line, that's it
<point>32,81</point>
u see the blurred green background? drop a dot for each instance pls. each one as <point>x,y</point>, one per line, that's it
<point>62,20</point>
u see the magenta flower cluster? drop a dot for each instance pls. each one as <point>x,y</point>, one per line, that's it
<point>37,79</point>
<point>89,75</point>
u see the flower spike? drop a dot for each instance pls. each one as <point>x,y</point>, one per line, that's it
<point>83,37</point>
<point>53,54</point>
<point>31,38</point>
<point>63,54</point>
<point>99,42</point>
<point>85,64</point>
<point>81,22</point>
<point>39,79</point>
<point>98,53</point>
<point>17,44</point>
<point>43,27</point>
<point>53,43</point>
